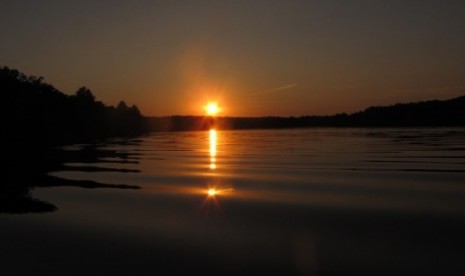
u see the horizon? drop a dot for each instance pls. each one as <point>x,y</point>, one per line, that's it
<point>308,115</point>
<point>266,58</point>
<point>213,110</point>
<point>205,112</point>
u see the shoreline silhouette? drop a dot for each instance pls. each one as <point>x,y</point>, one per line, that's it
<point>37,120</point>
<point>433,113</point>
<point>34,106</point>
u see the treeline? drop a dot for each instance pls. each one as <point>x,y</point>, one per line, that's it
<point>421,114</point>
<point>35,111</point>
<point>35,117</point>
<point>427,113</point>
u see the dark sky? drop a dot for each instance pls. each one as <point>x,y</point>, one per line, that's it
<point>253,57</point>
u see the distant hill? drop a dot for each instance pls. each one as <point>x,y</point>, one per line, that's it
<point>427,113</point>
<point>433,113</point>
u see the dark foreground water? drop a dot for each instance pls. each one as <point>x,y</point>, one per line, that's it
<point>306,201</point>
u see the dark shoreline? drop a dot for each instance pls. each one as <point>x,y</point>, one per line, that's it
<point>21,176</point>
<point>434,113</point>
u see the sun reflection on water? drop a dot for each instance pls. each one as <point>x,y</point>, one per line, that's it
<point>216,190</point>
<point>213,144</point>
<point>211,203</point>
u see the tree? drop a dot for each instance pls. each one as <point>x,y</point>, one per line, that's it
<point>122,106</point>
<point>85,95</point>
<point>135,111</point>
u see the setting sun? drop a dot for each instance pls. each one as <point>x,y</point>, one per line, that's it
<point>212,192</point>
<point>212,109</point>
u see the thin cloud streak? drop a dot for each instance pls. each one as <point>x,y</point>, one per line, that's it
<point>280,88</point>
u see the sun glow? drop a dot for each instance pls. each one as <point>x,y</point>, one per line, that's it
<point>212,109</point>
<point>212,192</point>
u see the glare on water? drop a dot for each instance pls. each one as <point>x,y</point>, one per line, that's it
<point>249,194</point>
<point>213,145</point>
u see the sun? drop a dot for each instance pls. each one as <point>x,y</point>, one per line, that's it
<point>212,192</point>
<point>212,109</point>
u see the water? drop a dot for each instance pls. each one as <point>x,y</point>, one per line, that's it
<point>304,201</point>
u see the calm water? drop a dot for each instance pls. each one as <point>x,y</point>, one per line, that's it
<point>304,201</point>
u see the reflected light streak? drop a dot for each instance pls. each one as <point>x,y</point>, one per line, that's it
<point>211,202</point>
<point>214,192</point>
<point>213,143</point>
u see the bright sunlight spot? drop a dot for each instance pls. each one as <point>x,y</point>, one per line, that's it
<point>212,109</point>
<point>212,192</point>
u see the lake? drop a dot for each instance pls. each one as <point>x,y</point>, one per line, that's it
<point>317,201</point>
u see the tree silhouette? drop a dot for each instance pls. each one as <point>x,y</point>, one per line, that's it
<point>32,106</point>
<point>85,95</point>
<point>35,117</point>
<point>122,106</point>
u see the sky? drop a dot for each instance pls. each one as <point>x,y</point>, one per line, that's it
<point>255,58</point>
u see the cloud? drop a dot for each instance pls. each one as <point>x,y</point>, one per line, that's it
<point>277,89</point>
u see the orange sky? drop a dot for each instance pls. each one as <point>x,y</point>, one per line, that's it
<point>254,58</point>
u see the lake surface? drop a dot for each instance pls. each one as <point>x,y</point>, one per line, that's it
<point>303,201</point>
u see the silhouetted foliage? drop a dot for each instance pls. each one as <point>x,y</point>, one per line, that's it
<point>122,106</point>
<point>83,94</point>
<point>429,113</point>
<point>33,108</point>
